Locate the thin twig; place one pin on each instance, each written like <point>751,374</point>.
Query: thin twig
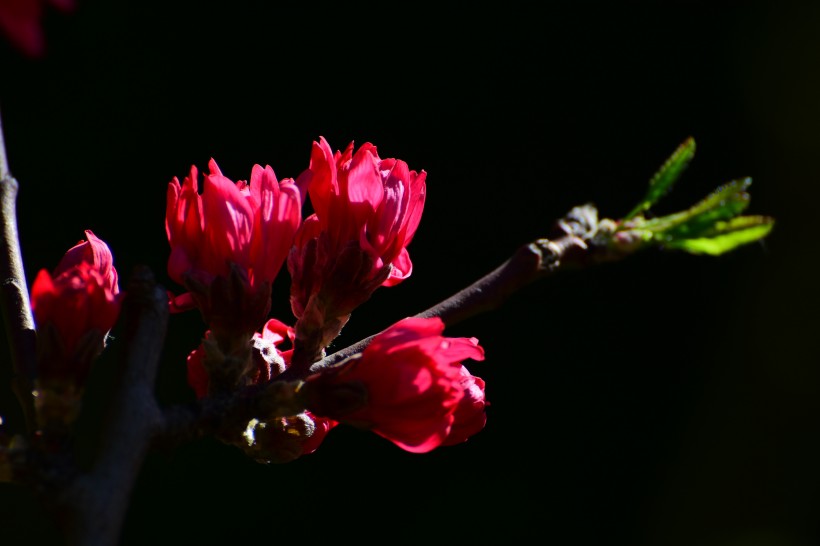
<point>530,263</point>
<point>14,300</point>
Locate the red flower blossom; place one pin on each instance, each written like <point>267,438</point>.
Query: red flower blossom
<point>419,395</point>
<point>21,22</point>
<point>366,211</point>
<point>247,224</point>
<point>237,232</point>
<point>75,308</point>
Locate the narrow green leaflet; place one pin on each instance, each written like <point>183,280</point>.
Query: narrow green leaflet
<point>666,176</point>
<point>726,236</point>
<point>724,203</point>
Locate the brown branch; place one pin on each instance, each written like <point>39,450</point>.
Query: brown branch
<point>574,247</point>
<point>14,300</point>
<point>95,503</point>
<point>530,263</point>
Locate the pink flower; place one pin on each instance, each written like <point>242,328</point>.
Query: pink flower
<point>75,308</point>
<point>21,22</point>
<point>366,211</point>
<point>231,233</point>
<point>418,393</point>
<point>247,224</point>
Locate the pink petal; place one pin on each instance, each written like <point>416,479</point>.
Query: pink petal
<point>229,223</point>
<point>365,189</point>
<point>415,205</point>
<point>402,268</point>
<point>319,180</point>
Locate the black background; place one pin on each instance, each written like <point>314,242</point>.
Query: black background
<point>667,399</point>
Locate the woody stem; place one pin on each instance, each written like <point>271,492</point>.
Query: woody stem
<point>573,247</point>
<point>14,300</point>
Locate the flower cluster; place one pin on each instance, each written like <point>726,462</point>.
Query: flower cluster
<point>409,385</point>
<point>228,244</point>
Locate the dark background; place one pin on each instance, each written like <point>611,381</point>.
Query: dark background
<point>665,400</point>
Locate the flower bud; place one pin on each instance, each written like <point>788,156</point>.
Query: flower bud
<point>367,210</point>
<point>228,244</point>
<point>74,309</point>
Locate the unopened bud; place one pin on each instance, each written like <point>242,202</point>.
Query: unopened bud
<point>278,440</point>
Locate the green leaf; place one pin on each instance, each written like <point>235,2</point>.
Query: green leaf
<point>726,235</point>
<point>665,177</point>
<point>724,203</point>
